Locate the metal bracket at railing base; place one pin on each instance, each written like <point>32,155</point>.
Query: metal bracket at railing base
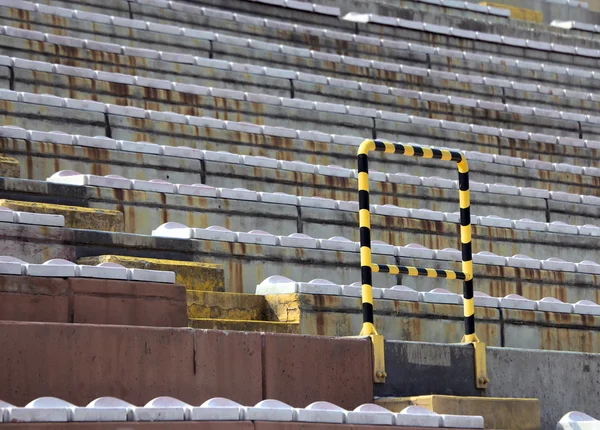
<point>378,348</point>
<point>379,374</point>
<point>481,378</point>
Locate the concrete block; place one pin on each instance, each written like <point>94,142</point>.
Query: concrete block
<point>42,99</point>
<point>259,161</point>
<point>278,131</point>
<point>200,190</point>
<point>257,237</point>
<point>333,170</point>
<point>503,189</point>
<point>534,192</point>
<point>370,414</point>
<point>550,304</point>
<point>298,240</point>
<point>379,247</point>
<point>182,152</point>
<point>454,217</point>
<point>494,221</point>
<point>338,243</point>
<point>269,410</point>
<point>528,224</point>
<point>586,307</point>
<point>417,416</point>
<point>347,206</point>
<point>11,266</point>
<point>321,412</point>
<point>403,178</point>
<point>215,233</point>
<point>427,214</point>
<point>521,260</point>
<point>462,421</point>
<point>317,202</point>
<point>589,230</point>
<point>437,182</point>
<point>485,257</point>
<point>24,34</point>
<point>217,409</point>
<point>485,300</point>
<point>87,105</point>
<point>278,198</point>
<point>15,132</point>
<point>146,275</point>
<point>126,111</point>
<point>43,409</point>
<point>39,219</point>
<point>561,227</point>
<point>450,254</point>
<point>565,197</point>
<point>282,285</point>
<point>401,292</point>
<point>55,268</point>
<point>7,215</point>
<point>297,166</point>
<point>154,185</point>
<point>588,267</point>
<point>391,210</point>
<point>103,409</point>
<point>315,136</point>
<point>577,421</point>
<point>95,142</point>
<point>590,200</point>
<point>102,271</point>
<point>414,250</point>
<point>51,137</point>
<point>173,230</point>
<point>237,194</point>
<point>539,165</point>
<point>515,301</point>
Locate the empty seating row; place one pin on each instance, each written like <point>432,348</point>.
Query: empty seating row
<point>246,261</point>
<point>344,86</point>
<point>337,243</point>
<point>282,285</point>
<point>387,123</point>
<point>19,217</point>
<point>59,268</point>
<point>229,45</point>
<point>50,409</point>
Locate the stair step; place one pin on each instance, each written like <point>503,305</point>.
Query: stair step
<point>244,325</point>
<point>226,306</point>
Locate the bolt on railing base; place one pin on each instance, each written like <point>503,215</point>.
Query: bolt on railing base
<point>481,378</point>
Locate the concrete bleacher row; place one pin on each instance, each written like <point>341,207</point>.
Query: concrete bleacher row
<point>282,285</point>
<point>226,45</point>
<point>60,268</point>
<point>577,420</point>
<point>19,217</point>
<point>50,409</point>
<point>363,90</point>
<point>338,243</point>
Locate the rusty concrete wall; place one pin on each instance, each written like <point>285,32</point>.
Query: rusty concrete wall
<point>441,323</point>
<point>92,301</point>
<point>79,363</point>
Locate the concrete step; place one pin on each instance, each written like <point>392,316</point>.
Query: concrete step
<point>193,275</point>
<point>244,325</point>
<point>498,413</point>
<point>227,306</point>
<point>75,216</point>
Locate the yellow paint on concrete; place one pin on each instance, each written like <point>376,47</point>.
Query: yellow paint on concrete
<point>192,274</point>
<point>75,216</point>
<point>283,307</point>
<point>498,413</point>
<point>243,325</point>
<point>520,13</point>
<point>230,306</point>
<point>9,167</point>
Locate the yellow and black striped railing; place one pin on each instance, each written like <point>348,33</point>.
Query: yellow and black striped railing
<point>367,267</point>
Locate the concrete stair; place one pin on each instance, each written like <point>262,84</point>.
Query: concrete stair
<point>235,311</point>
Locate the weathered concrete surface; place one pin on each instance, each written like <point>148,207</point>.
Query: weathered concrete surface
<point>562,381</point>
<point>193,275</point>
<point>234,306</point>
<point>75,216</point>
<point>9,167</point>
<point>498,413</point>
<point>246,265</point>
<point>137,364</point>
<point>197,425</point>
<point>92,301</point>
<point>245,325</point>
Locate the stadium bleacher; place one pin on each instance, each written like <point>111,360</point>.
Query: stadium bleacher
<point>177,172</point>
